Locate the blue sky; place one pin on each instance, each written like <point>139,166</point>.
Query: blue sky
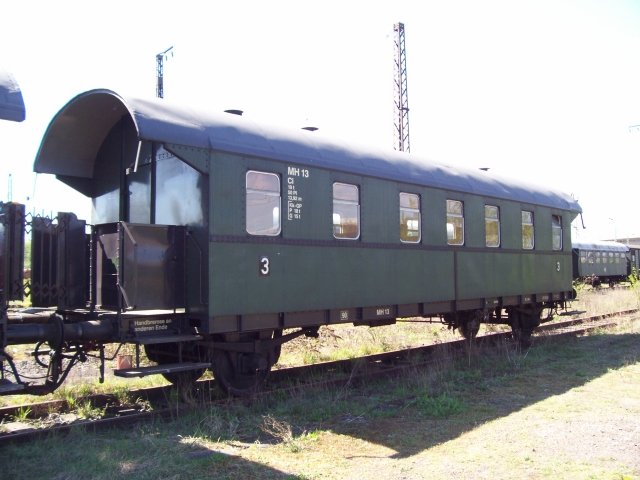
<point>540,89</point>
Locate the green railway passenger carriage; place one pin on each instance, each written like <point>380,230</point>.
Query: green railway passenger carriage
<point>601,261</point>
<point>214,240</point>
<point>634,260</point>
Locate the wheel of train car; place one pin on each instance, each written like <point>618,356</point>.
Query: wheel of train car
<point>239,374</point>
<point>469,323</point>
<point>274,353</point>
<point>242,374</point>
<point>166,353</point>
<point>523,323</point>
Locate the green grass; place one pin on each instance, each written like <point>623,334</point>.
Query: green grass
<point>440,406</point>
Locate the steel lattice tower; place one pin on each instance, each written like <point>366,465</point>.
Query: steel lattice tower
<point>160,58</point>
<point>401,99</point>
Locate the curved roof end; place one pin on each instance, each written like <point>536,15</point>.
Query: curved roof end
<point>70,144</point>
<point>11,102</point>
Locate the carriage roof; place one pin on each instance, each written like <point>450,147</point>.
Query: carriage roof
<point>74,136</point>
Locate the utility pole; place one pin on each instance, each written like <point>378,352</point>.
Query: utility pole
<point>401,99</point>
<point>160,58</point>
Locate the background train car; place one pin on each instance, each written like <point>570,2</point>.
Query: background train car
<point>11,101</point>
<point>12,109</point>
<point>599,262</point>
<point>634,260</point>
<point>214,240</point>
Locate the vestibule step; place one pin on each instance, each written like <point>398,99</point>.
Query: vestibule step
<point>150,340</point>
<point>156,369</point>
<point>7,386</point>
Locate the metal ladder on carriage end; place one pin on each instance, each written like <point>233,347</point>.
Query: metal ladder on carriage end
<point>167,367</point>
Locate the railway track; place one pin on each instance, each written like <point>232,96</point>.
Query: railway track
<point>28,422</point>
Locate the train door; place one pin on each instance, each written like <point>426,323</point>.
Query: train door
<point>139,182</point>
<point>115,174</point>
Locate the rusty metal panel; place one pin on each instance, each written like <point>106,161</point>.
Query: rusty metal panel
<point>12,225</point>
<point>57,274</point>
<point>153,266</point>
<point>140,266</point>
<point>44,259</point>
<point>73,262</point>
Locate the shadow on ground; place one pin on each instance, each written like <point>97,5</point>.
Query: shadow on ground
<point>549,368</point>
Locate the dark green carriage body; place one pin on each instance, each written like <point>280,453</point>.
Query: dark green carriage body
<point>312,277</point>
<point>317,278</point>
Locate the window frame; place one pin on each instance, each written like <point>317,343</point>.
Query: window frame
<point>410,210</point>
<point>266,193</point>
<point>345,202</point>
<point>487,221</point>
<point>452,216</point>
<point>528,225</point>
<point>556,232</point>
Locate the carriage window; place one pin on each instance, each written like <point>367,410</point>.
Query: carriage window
<point>455,222</point>
<point>492,226</point>
<point>556,232</point>
<point>179,194</point>
<point>346,211</point>
<point>410,230</point>
<point>263,203</point>
<point>528,240</point>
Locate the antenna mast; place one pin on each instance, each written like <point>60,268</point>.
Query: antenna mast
<point>401,99</point>
<point>160,58</point>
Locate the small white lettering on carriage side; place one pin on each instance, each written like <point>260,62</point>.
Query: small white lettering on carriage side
<point>383,311</point>
<point>150,325</point>
<point>294,199</point>
<point>297,172</point>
